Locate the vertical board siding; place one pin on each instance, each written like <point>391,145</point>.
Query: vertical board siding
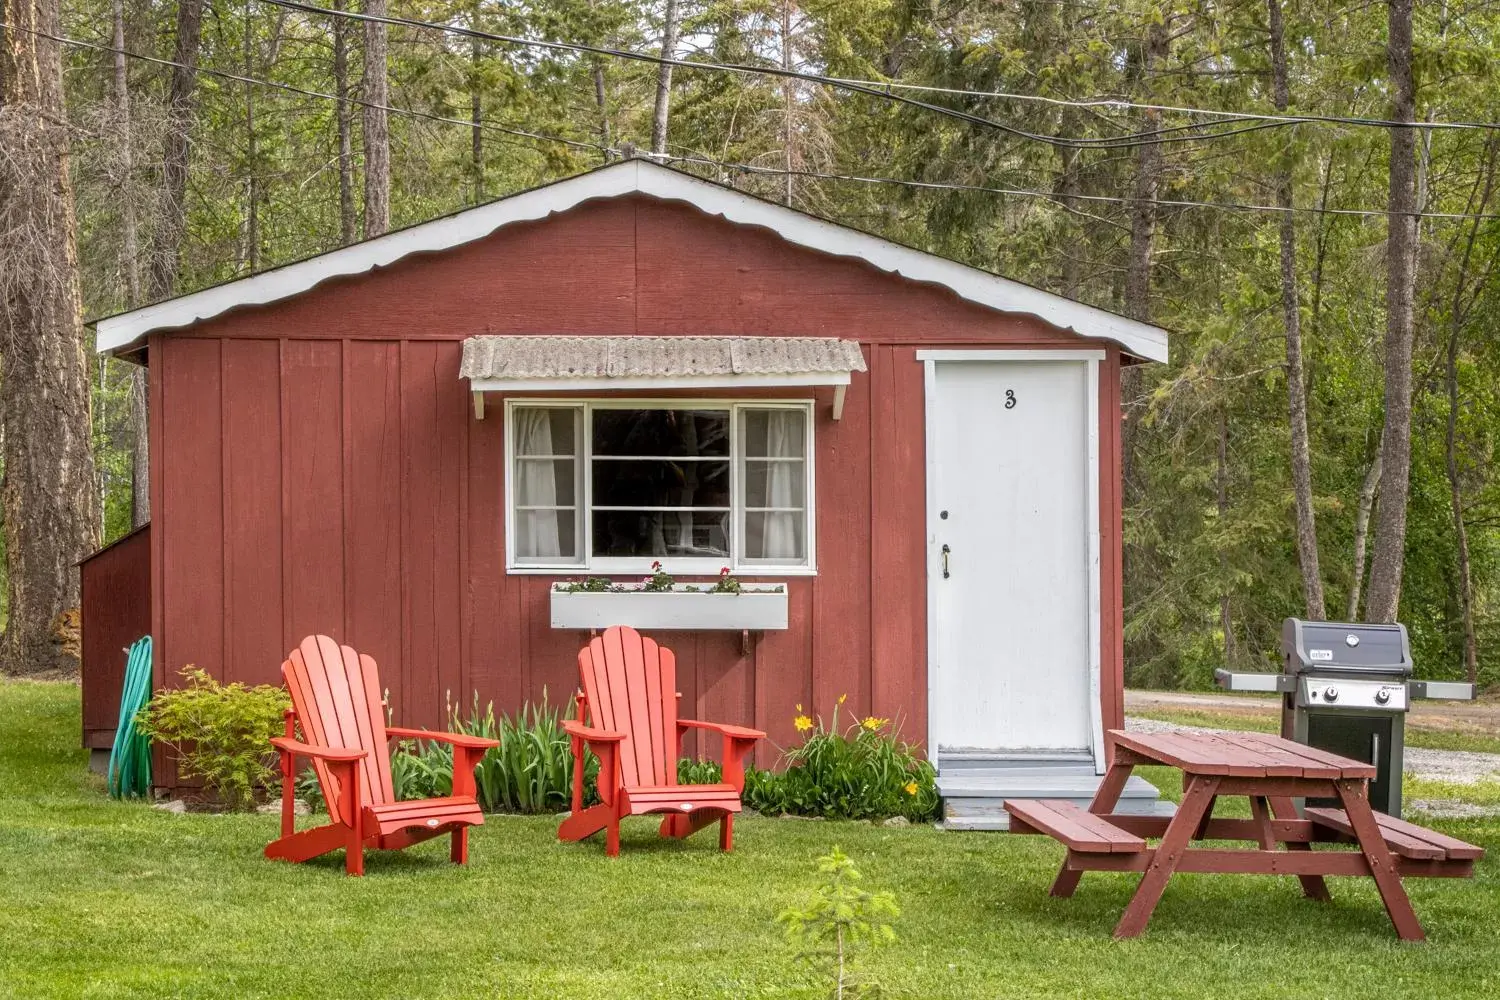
<point>898,554</point>
<point>372,549</point>
<point>319,470</point>
<point>192,507</point>
<point>312,399</point>
<point>115,603</point>
<point>253,586</point>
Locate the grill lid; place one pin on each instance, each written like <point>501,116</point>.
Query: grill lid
<point>1345,648</point>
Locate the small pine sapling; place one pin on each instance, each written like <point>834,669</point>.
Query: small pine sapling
<point>837,922</point>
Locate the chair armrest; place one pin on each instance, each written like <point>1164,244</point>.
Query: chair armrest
<point>457,739</point>
<point>298,748</point>
<point>732,732</point>
<point>579,730</point>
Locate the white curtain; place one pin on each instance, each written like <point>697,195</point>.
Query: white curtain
<point>783,440</point>
<point>535,485</point>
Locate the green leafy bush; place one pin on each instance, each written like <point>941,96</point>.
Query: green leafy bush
<point>863,771</point>
<point>220,733</point>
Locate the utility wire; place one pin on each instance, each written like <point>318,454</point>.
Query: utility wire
<point>1112,102</point>
<point>886,88</point>
<point>1150,138</point>
<point>254,81</point>
<point>746,168</point>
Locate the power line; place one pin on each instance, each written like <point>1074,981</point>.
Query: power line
<point>289,88</point>
<point>1051,196</point>
<point>1154,137</point>
<point>1113,102</point>
<point>1063,200</point>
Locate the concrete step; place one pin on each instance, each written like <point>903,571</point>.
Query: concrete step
<point>973,799</point>
<point>988,760</point>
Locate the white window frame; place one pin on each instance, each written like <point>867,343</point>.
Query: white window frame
<point>586,562</point>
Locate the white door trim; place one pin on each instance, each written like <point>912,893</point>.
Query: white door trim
<point>1091,358</point>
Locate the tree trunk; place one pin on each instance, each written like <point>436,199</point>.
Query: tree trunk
<point>788,101</point>
<point>1390,520</point>
<point>1450,454</point>
<point>1142,214</point>
<point>664,79</point>
<point>47,501</point>
<point>171,217</point>
<point>476,118</point>
<point>376,126</point>
<point>1302,489</point>
<point>252,186</point>
<point>601,100</point>
<point>1221,483</point>
<point>1367,493</point>
<point>347,220</point>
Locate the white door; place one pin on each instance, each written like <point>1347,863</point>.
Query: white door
<point>1013,531</point>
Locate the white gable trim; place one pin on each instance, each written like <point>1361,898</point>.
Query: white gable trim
<point>631,177</point>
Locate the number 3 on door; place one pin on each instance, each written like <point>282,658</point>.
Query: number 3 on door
<point>1010,399</point>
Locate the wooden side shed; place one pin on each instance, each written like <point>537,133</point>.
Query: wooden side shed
<point>406,443</point>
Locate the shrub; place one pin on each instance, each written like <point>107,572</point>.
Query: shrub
<point>220,733</point>
<point>865,771</point>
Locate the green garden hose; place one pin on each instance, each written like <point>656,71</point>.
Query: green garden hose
<point>130,758</point>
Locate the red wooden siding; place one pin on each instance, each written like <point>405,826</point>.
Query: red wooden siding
<point>318,469</point>
<point>116,611</point>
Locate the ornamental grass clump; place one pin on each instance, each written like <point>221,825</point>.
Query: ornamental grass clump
<point>220,733</point>
<point>530,772</point>
<point>864,770</point>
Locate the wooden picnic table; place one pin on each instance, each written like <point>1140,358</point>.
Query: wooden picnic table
<point>1270,772</point>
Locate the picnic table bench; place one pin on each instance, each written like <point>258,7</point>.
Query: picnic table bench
<point>1270,772</point>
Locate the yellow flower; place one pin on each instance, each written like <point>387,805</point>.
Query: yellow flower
<point>911,788</point>
<point>872,724</point>
<point>843,698</point>
<point>799,708</point>
<point>803,723</point>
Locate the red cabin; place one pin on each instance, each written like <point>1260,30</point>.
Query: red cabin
<point>421,445</point>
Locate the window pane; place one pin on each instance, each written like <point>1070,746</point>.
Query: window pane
<point>545,430</point>
<point>664,433</point>
<point>644,483</point>
<point>774,484</point>
<point>546,536</point>
<point>534,487</point>
<point>775,537</point>
<point>780,433</point>
<point>544,490</point>
<point>659,534</point>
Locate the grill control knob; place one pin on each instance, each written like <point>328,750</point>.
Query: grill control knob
<point>1330,693</point>
<point>1382,696</point>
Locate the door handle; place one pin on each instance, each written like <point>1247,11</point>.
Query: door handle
<point>946,551</point>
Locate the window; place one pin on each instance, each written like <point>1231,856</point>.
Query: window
<point>615,486</point>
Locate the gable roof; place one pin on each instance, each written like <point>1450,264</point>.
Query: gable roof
<point>123,331</point>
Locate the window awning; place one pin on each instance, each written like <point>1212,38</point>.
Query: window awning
<point>583,364</point>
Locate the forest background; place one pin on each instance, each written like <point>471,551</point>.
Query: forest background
<point>1301,192</point>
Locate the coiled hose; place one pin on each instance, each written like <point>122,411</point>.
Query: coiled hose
<point>130,758</point>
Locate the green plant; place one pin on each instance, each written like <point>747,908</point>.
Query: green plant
<point>659,580</point>
<point>838,919</point>
<point>865,771</point>
<point>726,584</point>
<point>589,585</point>
<point>220,733</point>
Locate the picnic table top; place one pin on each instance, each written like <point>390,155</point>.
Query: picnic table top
<point>1240,755</point>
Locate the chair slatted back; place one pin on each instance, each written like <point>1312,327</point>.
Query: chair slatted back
<point>631,686</point>
<point>336,695</point>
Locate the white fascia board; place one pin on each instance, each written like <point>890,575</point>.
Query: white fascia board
<point>644,177</point>
<point>656,382</point>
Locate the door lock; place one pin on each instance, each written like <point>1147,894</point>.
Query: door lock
<point>946,550</point>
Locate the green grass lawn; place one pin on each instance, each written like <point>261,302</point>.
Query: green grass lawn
<point>1264,716</point>
<point>104,899</point>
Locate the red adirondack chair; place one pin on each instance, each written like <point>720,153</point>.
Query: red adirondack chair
<point>336,700</point>
<point>627,714</point>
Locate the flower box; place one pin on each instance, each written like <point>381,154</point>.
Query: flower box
<point>757,607</point>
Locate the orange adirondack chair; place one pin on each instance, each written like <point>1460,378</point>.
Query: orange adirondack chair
<point>336,699</point>
<point>630,696</point>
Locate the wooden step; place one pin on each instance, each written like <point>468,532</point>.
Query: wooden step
<point>1075,826</point>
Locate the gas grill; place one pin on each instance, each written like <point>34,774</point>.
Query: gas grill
<point>1346,688</point>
